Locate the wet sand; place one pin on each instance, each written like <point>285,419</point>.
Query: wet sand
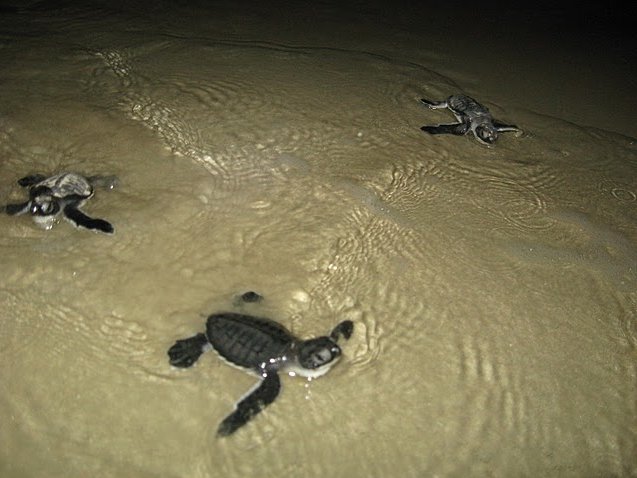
<point>279,150</point>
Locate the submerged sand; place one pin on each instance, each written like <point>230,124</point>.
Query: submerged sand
<point>493,290</point>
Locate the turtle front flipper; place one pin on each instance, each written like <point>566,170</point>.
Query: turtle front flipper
<point>503,128</point>
<point>343,329</point>
<point>17,209</point>
<point>434,105</point>
<point>31,179</point>
<point>186,352</point>
<point>77,217</point>
<point>252,404</point>
<point>459,129</point>
<point>106,182</point>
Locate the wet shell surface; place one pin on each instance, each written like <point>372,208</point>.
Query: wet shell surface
<point>247,341</point>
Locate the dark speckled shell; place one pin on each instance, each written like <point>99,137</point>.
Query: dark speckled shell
<point>465,105</point>
<point>247,341</point>
<point>67,184</point>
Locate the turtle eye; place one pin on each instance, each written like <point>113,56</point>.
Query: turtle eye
<point>44,207</point>
<point>322,356</point>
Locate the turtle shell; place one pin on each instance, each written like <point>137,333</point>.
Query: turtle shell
<point>466,105</point>
<point>247,341</point>
<point>67,184</point>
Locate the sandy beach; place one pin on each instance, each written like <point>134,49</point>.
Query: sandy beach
<point>277,148</point>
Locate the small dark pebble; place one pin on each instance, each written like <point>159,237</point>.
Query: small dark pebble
<point>251,296</point>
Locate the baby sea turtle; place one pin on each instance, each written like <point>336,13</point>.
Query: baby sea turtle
<point>472,116</point>
<point>263,347</point>
<point>62,193</point>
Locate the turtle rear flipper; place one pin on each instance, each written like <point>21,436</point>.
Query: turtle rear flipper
<point>31,179</point>
<point>17,209</point>
<point>186,352</point>
<point>77,217</point>
<point>252,404</point>
<point>458,129</point>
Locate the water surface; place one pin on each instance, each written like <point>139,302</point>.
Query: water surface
<point>492,289</point>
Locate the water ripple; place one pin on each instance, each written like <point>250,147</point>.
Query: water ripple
<point>621,191</point>
<point>522,208</point>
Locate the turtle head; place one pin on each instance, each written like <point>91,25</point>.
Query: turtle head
<point>316,356</point>
<point>486,133</point>
<point>43,203</point>
<point>317,353</point>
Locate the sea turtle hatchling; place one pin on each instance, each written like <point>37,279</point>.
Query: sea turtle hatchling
<point>262,347</point>
<point>62,193</point>
<point>472,116</point>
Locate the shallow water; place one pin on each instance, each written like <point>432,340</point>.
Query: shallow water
<point>492,289</point>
